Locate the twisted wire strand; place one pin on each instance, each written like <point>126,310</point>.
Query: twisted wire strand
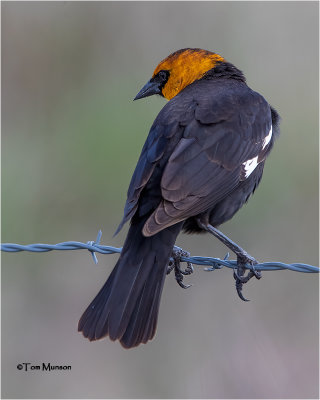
<point>210,262</point>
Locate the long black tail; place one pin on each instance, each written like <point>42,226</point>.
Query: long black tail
<point>126,308</point>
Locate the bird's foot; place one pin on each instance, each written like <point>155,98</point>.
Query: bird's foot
<point>243,259</point>
<point>174,264</point>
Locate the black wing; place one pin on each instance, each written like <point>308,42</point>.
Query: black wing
<point>227,132</point>
<point>196,149</point>
<point>162,138</point>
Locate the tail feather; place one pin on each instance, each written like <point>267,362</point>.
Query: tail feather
<point>144,317</point>
<point>90,317</point>
<point>126,307</point>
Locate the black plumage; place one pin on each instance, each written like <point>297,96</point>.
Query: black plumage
<point>194,164</point>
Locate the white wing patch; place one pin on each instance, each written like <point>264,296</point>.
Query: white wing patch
<point>267,139</point>
<point>249,166</point>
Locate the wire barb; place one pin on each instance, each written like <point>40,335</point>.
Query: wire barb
<point>92,243</point>
<point>209,263</point>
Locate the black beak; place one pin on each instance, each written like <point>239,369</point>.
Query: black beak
<point>148,89</point>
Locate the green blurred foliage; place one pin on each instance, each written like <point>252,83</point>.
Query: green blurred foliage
<point>71,136</point>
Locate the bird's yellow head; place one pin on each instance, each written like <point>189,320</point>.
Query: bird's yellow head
<point>179,70</point>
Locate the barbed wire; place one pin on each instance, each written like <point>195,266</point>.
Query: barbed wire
<point>210,262</point>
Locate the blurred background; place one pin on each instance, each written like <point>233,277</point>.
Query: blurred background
<point>71,137</point>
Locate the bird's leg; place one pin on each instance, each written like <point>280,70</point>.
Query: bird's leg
<point>243,258</point>
<point>174,263</point>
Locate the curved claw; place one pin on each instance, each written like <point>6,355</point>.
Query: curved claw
<point>240,280</point>
<point>239,291</point>
<point>183,286</point>
<point>179,279</point>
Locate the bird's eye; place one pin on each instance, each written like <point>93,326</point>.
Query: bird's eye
<point>163,75</point>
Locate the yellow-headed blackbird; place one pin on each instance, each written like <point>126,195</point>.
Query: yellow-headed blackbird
<point>201,162</point>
